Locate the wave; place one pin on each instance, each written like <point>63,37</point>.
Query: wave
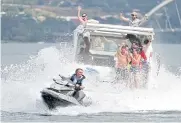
<point>21,85</point>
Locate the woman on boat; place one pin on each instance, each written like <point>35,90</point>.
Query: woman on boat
<point>122,61</point>
<point>135,67</point>
<point>147,50</point>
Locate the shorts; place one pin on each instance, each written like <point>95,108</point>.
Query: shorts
<point>135,69</point>
<point>123,73</point>
<point>145,67</point>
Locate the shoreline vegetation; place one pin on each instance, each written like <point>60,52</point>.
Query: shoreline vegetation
<point>54,20</point>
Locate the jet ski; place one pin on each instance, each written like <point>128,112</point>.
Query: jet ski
<point>63,93</point>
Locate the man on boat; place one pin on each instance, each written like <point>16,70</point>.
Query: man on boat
<point>133,45</point>
<point>134,22</point>
<point>86,35</point>
<point>83,19</point>
<point>77,79</point>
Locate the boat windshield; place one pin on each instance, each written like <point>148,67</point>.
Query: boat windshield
<point>102,43</point>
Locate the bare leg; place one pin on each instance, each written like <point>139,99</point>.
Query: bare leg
<point>131,82</point>
<point>86,40</point>
<point>136,80</point>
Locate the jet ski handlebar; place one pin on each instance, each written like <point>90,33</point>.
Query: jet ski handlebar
<point>66,79</point>
<point>63,77</point>
<point>68,84</point>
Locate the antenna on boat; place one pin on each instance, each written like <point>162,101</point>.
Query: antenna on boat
<point>158,24</point>
<point>168,18</point>
<point>178,12</point>
<point>152,11</point>
<point>168,25</point>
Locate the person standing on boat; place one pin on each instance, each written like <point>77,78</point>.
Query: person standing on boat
<point>82,19</point>
<point>134,21</point>
<point>122,61</point>
<point>147,53</point>
<point>81,29</point>
<point>135,67</point>
<point>146,64</point>
<point>147,47</point>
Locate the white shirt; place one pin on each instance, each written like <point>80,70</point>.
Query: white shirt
<point>134,23</point>
<point>148,50</point>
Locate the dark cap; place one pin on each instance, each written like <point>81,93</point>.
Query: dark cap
<point>84,15</point>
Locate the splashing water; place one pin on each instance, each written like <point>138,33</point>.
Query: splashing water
<point>21,86</point>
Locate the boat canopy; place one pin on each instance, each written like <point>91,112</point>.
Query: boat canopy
<point>117,30</point>
<point>106,38</point>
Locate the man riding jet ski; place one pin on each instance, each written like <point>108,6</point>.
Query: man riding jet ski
<point>77,79</point>
<point>65,94</point>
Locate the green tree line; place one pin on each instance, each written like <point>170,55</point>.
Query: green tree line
<point>28,29</point>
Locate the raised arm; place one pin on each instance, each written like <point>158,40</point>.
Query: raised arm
<point>123,18</point>
<point>137,61</point>
<point>78,15</point>
<point>128,58</point>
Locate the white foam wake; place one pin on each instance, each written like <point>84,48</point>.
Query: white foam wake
<point>21,86</point>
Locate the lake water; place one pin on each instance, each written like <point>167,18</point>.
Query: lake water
<point>26,68</point>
